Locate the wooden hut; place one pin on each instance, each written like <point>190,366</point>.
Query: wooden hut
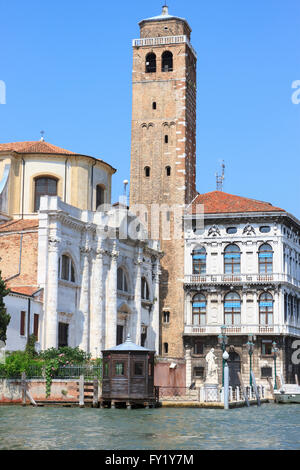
<point>128,375</point>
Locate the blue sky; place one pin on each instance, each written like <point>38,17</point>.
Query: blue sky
<point>67,68</point>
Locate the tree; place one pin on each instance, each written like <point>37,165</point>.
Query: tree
<point>4,317</point>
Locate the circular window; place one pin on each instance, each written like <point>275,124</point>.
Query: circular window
<point>265,229</point>
<point>231,230</point>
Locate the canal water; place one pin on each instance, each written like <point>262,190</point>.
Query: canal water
<point>268,427</point>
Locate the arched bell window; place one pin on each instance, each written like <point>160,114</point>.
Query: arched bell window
<point>199,261</point>
<point>232,260</point>
<point>167,62</point>
<point>199,310</point>
<point>151,63</point>
<point>266,309</point>
<point>265,259</point>
<point>43,186</point>
<point>232,309</point>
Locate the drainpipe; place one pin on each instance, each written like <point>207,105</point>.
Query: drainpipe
<point>23,185</point>
<point>65,189</point>
<point>28,318</point>
<point>92,184</point>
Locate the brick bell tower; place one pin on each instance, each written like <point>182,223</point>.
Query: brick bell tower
<point>163,150</point>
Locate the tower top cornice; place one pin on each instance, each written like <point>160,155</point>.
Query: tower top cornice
<point>164,16</point>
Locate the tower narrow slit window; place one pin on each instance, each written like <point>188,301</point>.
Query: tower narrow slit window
<point>166,139</point>
<point>100,196</point>
<point>147,171</point>
<point>168,170</point>
<point>154,105</point>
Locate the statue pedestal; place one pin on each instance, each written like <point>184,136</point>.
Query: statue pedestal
<point>211,392</point>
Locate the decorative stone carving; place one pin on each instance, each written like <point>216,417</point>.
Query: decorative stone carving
<point>214,231</point>
<point>248,230</point>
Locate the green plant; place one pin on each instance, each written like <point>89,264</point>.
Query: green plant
<point>4,316</point>
<point>64,393</point>
<point>20,361</point>
<point>50,369</point>
<point>66,355</point>
<point>30,346</point>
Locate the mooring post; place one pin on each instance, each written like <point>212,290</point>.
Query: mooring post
<point>296,379</point>
<point>81,391</point>
<point>226,386</point>
<point>95,396</point>
<point>23,387</point>
<point>255,388</point>
<point>271,386</point>
<point>243,388</point>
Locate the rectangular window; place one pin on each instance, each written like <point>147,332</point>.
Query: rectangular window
<point>120,331</point>
<point>119,368</point>
<point>266,348</point>
<point>22,323</point>
<point>36,326</point>
<point>266,372</point>
<point>198,372</point>
<point>63,334</point>
<point>198,348</point>
<point>106,369</point>
<point>139,368</point>
<point>65,267</point>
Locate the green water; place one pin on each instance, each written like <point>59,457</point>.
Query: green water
<point>268,427</point>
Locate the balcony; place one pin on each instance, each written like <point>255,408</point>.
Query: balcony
<point>197,279</point>
<point>150,42</point>
<point>242,330</point>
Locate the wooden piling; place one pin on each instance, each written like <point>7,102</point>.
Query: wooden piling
<point>271,386</point>
<point>95,395</point>
<point>81,391</point>
<point>243,388</point>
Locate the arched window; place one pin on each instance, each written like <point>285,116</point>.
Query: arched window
<point>168,170</point>
<point>44,186</point>
<point>66,269</point>
<point>199,310</point>
<point>145,294</point>
<point>167,62</point>
<point>147,171</point>
<point>100,196</point>
<point>266,309</point>
<point>122,283</point>
<point>265,258</point>
<point>232,309</point>
<point>199,261</point>
<point>150,63</point>
<point>232,260</point>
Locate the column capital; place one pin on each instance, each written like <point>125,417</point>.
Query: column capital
<point>54,244</point>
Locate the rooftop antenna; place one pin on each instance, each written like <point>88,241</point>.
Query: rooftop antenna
<point>42,136</point>
<point>220,178</point>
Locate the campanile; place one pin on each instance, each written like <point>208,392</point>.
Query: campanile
<point>163,148</point>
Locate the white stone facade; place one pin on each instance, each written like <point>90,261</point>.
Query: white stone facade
<point>82,261</point>
<point>280,280</point>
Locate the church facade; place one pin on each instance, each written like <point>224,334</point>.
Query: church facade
<point>78,276</point>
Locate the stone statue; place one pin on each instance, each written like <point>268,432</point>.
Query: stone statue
<point>212,368</point>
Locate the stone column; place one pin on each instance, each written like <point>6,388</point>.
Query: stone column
<point>156,309</point>
<point>137,296</point>
<point>111,310</point>
<point>51,337</point>
<point>98,293</point>
<point>188,366</point>
<point>84,305</point>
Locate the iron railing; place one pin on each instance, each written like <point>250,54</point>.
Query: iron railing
<point>67,372</point>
